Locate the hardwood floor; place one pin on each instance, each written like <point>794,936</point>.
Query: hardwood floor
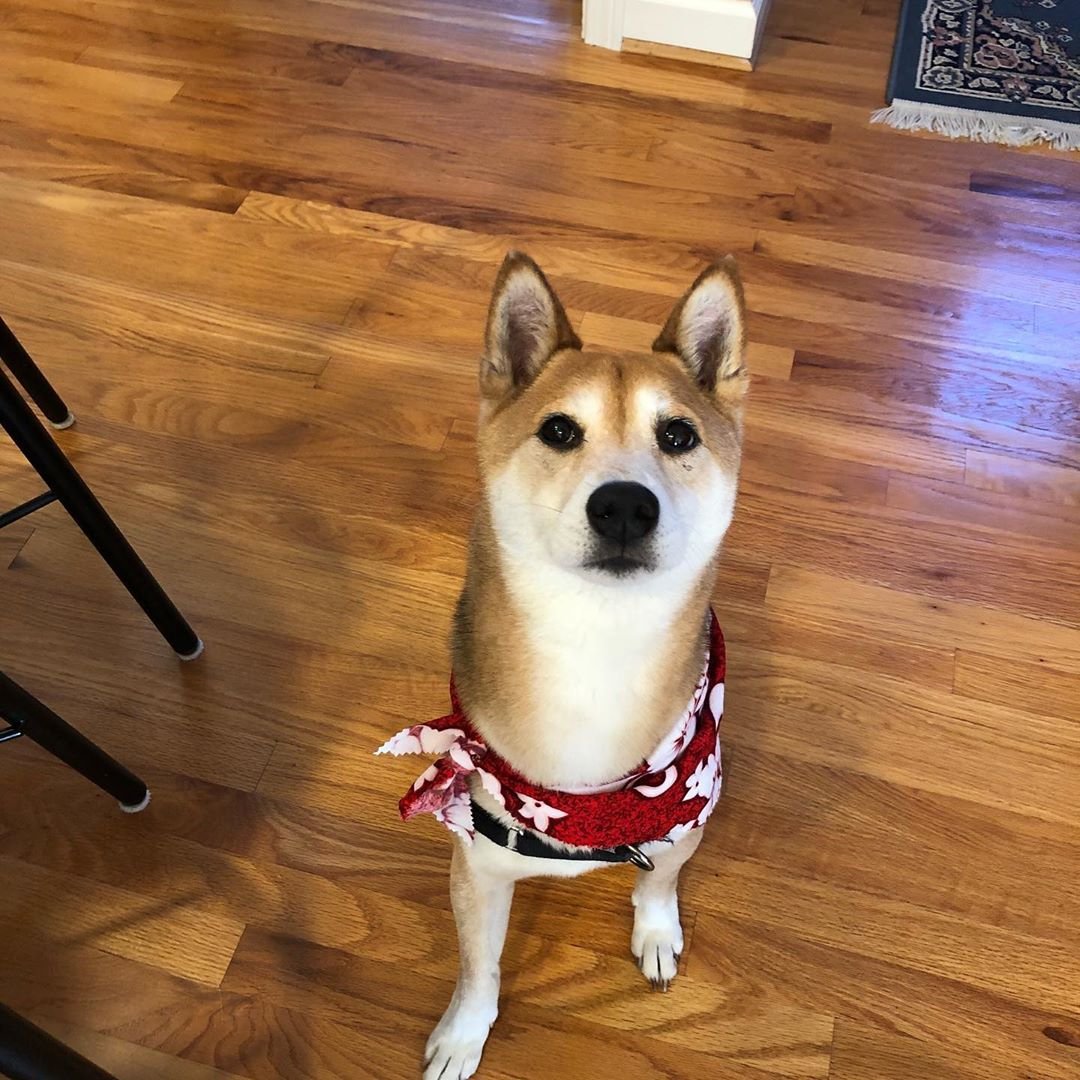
<point>252,243</point>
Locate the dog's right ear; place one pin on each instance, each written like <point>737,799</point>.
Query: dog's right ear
<point>526,327</point>
<point>707,329</point>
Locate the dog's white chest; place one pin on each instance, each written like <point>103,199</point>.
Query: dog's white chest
<point>591,689</point>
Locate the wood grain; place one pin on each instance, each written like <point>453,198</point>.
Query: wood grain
<point>862,1052</point>
<point>1036,687</point>
<point>12,541</point>
<point>1027,479</point>
<point>253,245</point>
<point>129,1061</point>
<point>178,937</point>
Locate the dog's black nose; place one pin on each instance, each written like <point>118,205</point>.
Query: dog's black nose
<point>623,511</point>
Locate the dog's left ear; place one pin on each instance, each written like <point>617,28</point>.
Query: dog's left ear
<point>707,328</point>
<point>526,327</point>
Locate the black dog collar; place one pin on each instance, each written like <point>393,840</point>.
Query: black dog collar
<point>528,843</point>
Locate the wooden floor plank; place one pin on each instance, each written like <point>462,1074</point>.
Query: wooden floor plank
<point>928,739</point>
<point>784,1042</point>
<point>1028,479</point>
<point>966,506</point>
<point>889,840</point>
<point>925,619</point>
<point>253,246</point>
<point>76,79</point>
<point>129,1061</point>
<point>760,964</point>
<point>1039,688</point>
<point>615,332</point>
<point>861,1052</point>
<point>12,540</point>
<point>1005,283</point>
<point>179,936</point>
<point>223,259</point>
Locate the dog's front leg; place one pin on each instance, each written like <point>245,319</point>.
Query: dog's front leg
<point>657,940</point>
<point>481,898</point>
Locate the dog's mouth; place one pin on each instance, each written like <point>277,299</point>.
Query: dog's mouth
<point>618,565</point>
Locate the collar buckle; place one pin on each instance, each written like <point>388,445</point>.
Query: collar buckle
<point>639,858</point>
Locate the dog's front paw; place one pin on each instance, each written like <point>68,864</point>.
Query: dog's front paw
<point>657,942</point>
<point>454,1049</point>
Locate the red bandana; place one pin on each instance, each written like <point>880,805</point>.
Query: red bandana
<point>665,797</point>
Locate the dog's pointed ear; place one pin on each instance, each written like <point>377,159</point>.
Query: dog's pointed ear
<point>526,327</point>
<point>707,327</point>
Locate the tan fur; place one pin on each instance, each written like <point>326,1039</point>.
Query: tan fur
<point>492,661</point>
<point>571,665</point>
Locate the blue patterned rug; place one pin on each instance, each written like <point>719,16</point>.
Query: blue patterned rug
<point>1003,71</point>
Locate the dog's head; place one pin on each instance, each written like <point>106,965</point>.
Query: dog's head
<point>615,468</point>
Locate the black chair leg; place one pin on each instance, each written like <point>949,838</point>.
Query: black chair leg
<point>62,479</point>
<point>37,722</point>
<point>33,380</point>
<point>28,1053</point>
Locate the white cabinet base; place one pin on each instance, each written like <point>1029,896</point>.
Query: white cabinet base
<point>727,30</point>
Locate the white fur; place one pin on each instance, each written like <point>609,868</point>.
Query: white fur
<point>594,665</point>
<point>482,909</point>
<point>456,1045</point>
<point>657,940</point>
<point>539,527</point>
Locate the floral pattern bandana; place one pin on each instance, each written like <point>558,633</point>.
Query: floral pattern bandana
<point>666,796</point>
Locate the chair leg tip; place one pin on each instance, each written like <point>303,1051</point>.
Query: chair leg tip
<point>194,654</point>
<point>60,425</point>
<point>135,808</point>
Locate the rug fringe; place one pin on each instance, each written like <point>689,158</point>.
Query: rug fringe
<point>981,126</point>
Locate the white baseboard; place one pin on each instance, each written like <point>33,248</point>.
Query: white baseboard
<point>602,23</point>
<point>726,27</point>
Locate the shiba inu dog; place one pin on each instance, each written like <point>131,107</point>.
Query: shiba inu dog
<point>588,668</point>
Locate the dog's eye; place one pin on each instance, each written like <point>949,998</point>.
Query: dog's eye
<point>560,432</point>
<point>677,437</point>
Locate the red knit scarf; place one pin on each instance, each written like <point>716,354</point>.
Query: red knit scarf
<point>665,797</point>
